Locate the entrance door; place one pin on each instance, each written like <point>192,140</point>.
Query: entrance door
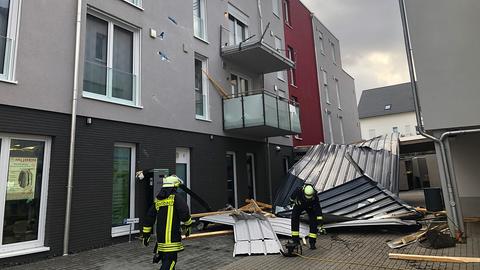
<point>182,170</point>
<point>252,194</point>
<point>231,179</point>
<point>123,187</point>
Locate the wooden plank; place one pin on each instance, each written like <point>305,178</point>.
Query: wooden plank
<point>216,85</point>
<point>206,214</point>
<point>262,205</point>
<point>413,257</point>
<point>207,234</point>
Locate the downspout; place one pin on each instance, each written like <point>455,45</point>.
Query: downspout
<point>269,171</point>
<point>259,4</point>
<point>450,192</point>
<point>73,130</point>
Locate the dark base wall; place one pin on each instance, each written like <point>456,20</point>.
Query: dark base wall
<point>155,148</point>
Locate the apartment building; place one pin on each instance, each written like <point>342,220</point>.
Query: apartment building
<point>197,95</point>
<point>336,87</point>
<point>388,109</point>
<point>445,53</point>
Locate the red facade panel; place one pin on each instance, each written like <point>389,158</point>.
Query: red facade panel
<point>299,38</point>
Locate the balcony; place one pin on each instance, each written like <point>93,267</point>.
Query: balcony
<point>254,55</point>
<point>260,114</point>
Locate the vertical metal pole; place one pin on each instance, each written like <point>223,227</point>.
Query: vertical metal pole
<point>130,233</point>
<point>269,172</point>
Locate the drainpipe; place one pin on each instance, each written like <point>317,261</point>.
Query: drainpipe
<point>450,191</point>
<point>259,4</point>
<point>269,170</point>
<point>73,128</point>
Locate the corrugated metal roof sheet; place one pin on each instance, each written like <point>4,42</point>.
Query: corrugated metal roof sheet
<point>254,235</point>
<point>325,166</point>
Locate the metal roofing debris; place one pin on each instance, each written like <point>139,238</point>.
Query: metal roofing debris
<point>254,235</point>
<point>325,166</point>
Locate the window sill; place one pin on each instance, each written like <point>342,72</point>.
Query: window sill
<point>201,118</point>
<point>202,40</point>
<point>8,81</point>
<point>23,252</point>
<point>133,5</point>
<point>94,97</point>
<point>123,233</point>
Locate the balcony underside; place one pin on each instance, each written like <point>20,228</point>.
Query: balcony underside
<point>262,131</point>
<point>257,57</point>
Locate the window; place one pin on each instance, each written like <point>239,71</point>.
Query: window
<point>182,170</point>
<point>322,45</point>
<point>279,48</point>
<point>137,3</point>
<point>330,127</point>
<point>111,70</point>
<point>199,19</point>
<point>286,164</point>
<point>252,194</point>
<point>395,129</point>
<point>201,88</point>
<point>293,71</point>
<point>238,84</point>
<point>286,12</point>
<point>123,187</point>
<point>388,107</point>
<point>238,30</point>
<point>9,18</point>
<point>337,89</point>
<point>334,57</point>
<point>408,130</point>
<point>24,170</point>
<point>342,134</point>
<point>275,8</point>
<point>371,133</point>
<point>325,86</point>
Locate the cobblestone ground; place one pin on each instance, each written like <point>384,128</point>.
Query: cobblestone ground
<point>335,251</point>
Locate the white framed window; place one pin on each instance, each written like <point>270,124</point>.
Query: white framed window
<point>112,60</point>
<point>388,107</point>
<point>279,48</point>
<point>238,30</point>
<point>276,8</point>
<point>182,170</point>
<point>337,90</point>
<point>334,55</point>
<point>137,3</point>
<point>286,12</point>
<point>239,84</point>
<point>123,187</point>
<point>200,19</point>
<point>231,169</point>
<point>325,86</point>
<point>342,134</point>
<point>9,21</point>
<point>202,110</point>
<point>293,71</point>
<point>24,176</point>
<point>322,44</point>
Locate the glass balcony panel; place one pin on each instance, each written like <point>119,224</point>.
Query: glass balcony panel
<point>199,27</point>
<point>253,108</point>
<point>295,118</point>
<point>233,113</point>
<point>95,78</point>
<point>271,116</point>
<point>123,84</point>
<point>283,114</point>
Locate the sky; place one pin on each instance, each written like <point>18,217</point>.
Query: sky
<point>371,39</point>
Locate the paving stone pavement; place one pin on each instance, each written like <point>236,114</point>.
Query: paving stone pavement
<point>345,250</point>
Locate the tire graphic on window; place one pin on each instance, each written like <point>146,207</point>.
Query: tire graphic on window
<point>25,178</point>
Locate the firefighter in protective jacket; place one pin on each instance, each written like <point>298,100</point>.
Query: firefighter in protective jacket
<point>173,218</point>
<point>305,198</point>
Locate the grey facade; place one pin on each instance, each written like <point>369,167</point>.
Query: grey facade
<point>160,115</point>
<point>444,40</point>
<point>339,107</point>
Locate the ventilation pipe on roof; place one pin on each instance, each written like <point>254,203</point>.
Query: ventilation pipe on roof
<point>66,235</point>
<point>450,192</point>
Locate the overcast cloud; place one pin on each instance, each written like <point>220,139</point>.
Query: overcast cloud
<point>371,39</point>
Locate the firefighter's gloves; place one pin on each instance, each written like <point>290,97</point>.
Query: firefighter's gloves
<point>294,202</point>
<point>147,232</point>
<point>322,230</point>
<point>186,230</point>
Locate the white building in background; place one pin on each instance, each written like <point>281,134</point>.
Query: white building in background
<point>387,109</point>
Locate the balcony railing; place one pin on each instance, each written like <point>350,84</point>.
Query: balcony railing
<point>261,113</point>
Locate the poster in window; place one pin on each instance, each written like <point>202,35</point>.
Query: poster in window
<point>22,173</point>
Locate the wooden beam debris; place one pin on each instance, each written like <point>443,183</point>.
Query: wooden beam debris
<point>413,257</point>
<point>208,234</point>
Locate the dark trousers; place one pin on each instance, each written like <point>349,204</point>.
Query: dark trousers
<point>169,260</point>
<point>297,212</point>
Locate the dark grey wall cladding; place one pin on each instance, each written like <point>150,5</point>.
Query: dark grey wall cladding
<point>91,205</point>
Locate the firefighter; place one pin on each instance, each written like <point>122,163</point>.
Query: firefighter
<point>173,219</point>
<point>305,198</point>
